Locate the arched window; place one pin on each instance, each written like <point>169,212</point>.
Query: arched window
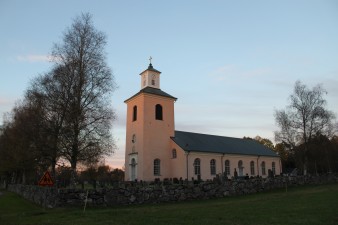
<point>174,153</point>
<point>240,168</point>
<point>252,168</point>
<point>227,167</point>
<point>158,112</point>
<point>157,167</point>
<point>197,166</point>
<point>263,168</point>
<point>213,167</point>
<point>153,80</point>
<point>273,168</point>
<point>135,113</point>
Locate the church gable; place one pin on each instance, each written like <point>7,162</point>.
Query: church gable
<point>195,142</point>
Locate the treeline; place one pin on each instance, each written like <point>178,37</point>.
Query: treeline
<point>307,130</point>
<point>96,176</point>
<point>66,113</point>
<point>307,136</point>
<point>321,154</point>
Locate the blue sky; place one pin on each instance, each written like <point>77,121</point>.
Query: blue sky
<point>229,63</point>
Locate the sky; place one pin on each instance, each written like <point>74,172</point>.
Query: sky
<point>231,64</point>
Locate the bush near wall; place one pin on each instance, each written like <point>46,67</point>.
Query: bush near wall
<point>142,193</point>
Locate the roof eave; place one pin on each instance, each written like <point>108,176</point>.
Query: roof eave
<point>144,92</point>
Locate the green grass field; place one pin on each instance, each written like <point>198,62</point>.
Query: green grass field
<point>302,205</point>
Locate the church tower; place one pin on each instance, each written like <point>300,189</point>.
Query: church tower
<point>150,125</point>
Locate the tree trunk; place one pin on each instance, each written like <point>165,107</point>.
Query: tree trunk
<point>305,159</point>
<point>305,167</point>
<point>13,178</point>
<point>53,168</point>
<point>73,172</point>
<point>54,172</point>
<point>24,177</point>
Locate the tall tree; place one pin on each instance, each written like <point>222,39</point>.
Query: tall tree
<point>334,156</point>
<point>305,116</point>
<point>320,155</point>
<point>53,90</point>
<point>21,142</point>
<point>86,131</point>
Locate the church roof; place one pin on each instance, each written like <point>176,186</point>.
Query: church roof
<point>151,68</point>
<point>153,91</point>
<point>196,142</point>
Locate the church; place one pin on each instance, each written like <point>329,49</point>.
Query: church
<point>154,149</point>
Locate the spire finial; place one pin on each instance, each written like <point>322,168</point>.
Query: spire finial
<point>150,65</point>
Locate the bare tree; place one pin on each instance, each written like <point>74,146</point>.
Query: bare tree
<point>88,118</point>
<point>305,117</point>
<point>21,141</point>
<point>67,112</point>
<point>53,91</point>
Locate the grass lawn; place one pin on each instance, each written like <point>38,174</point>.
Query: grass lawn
<point>302,205</point>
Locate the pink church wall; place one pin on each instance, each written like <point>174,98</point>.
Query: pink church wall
<point>134,127</point>
<point>157,135</point>
<point>153,136</point>
<point>179,167</point>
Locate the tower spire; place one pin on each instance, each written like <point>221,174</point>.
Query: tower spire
<point>150,65</point>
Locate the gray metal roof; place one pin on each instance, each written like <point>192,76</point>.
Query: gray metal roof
<point>151,68</point>
<point>153,91</point>
<point>195,142</point>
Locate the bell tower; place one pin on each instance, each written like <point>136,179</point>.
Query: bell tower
<point>150,125</point>
<point>150,77</point>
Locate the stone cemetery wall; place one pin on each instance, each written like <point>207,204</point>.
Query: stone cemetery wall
<point>43,196</point>
<point>141,193</point>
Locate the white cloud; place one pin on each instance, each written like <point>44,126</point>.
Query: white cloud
<point>5,101</point>
<point>222,72</point>
<point>233,71</point>
<point>35,58</point>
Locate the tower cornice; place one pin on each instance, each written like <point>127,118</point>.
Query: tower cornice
<point>152,91</point>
